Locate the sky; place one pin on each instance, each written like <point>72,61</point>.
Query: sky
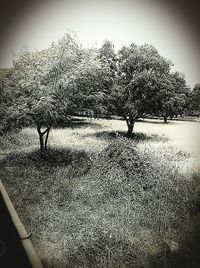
<point>122,22</point>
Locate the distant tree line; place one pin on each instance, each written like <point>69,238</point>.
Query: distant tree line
<point>45,88</point>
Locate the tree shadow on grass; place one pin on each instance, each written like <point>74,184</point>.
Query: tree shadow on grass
<point>136,136</point>
<point>52,158</point>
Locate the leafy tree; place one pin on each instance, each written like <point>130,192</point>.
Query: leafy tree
<point>139,68</point>
<point>194,103</point>
<point>57,82</point>
<point>36,75</point>
<point>171,96</point>
<point>43,114</point>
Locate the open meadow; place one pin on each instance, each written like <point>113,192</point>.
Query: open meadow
<point>100,199</point>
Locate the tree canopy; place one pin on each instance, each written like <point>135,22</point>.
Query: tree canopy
<point>194,104</point>
<point>143,75</point>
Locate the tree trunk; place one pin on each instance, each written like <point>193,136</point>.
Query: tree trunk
<point>46,139</point>
<point>130,124</point>
<point>41,138</point>
<point>43,144</point>
<point>165,119</point>
<point>130,129</point>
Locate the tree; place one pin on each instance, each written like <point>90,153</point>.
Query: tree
<point>133,94</point>
<point>57,82</point>
<point>43,113</point>
<point>171,96</point>
<point>195,100</point>
<point>36,75</point>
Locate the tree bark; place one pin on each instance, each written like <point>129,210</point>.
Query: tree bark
<point>41,142</point>
<point>46,139</point>
<point>40,138</point>
<point>130,124</point>
<point>130,129</point>
<point>165,119</point>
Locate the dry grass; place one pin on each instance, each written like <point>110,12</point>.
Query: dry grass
<point>101,200</point>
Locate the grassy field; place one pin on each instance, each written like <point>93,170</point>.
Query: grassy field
<point>99,199</point>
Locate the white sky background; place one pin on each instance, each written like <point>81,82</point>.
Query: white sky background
<point>122,22</point>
